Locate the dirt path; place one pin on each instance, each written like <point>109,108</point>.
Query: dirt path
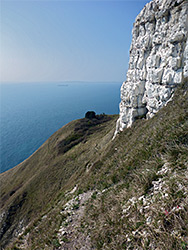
<point>72,234</point>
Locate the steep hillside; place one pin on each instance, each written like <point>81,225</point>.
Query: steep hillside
<point>30,188</point>
<point>81,190</point>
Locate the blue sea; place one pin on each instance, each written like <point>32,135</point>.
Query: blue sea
<point>31,112</point>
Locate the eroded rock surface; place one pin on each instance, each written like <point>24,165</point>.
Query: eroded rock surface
<point>158,60</point>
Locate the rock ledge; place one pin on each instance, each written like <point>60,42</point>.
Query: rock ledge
<point>158,60</point>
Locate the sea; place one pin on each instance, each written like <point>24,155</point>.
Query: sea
<point>31,112</point>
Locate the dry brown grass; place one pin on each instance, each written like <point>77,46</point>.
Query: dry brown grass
<point>139,182</point>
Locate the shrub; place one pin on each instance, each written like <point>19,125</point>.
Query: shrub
<point>90,115</point>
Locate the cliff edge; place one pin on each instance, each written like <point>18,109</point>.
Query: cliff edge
<point>158,60</point>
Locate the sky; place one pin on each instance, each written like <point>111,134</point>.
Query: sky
<point>65,40</point>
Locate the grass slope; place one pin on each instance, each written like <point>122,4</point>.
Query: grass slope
<point>29,189</point>
<point>138,185</point>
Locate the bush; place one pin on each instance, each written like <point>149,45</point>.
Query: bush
<point>90,115</point>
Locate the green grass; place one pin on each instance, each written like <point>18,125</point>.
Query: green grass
<point>82,153</point>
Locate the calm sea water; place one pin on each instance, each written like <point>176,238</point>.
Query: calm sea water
<point>30,113</point>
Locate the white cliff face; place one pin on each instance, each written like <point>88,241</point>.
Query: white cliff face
<point>158,60</point>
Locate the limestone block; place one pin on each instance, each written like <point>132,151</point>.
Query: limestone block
<point>177,37</point>
<point>150,28</point>
<point>168,76</point>
<point>158,59</point>
<point>164,93</point>
<point>185,70</point>
<point>175,50</point>
<point>141,30</point>
<point>149,77</point>
<point>186,51</point>
<point>139,101</point>
<point>157,75</point>
<point>151,103</point>
<point>131,62</point>
<point>157,39</point>
<point>141,62</point>
<point>151,61</point>
<point>141,87</point>
<point>174,62</point>
<point>143,75</point>
<point>178,77</point>
<point>149,90</point>
<point>134,102</point>
<point>135,32</point>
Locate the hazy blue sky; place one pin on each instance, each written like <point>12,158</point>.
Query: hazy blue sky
<point>66,40</point>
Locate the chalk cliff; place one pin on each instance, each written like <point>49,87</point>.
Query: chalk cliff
<point>158,60</point>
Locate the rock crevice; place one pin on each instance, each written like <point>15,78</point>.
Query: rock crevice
<point>158,60</point>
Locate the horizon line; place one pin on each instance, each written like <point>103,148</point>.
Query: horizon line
<point>60,82</point>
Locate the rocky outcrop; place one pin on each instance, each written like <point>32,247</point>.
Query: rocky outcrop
<point>158,60</point>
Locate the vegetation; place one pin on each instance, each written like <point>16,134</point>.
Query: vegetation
<point>83,128</point>
<point>138,185</point>
<point>90,115</point>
